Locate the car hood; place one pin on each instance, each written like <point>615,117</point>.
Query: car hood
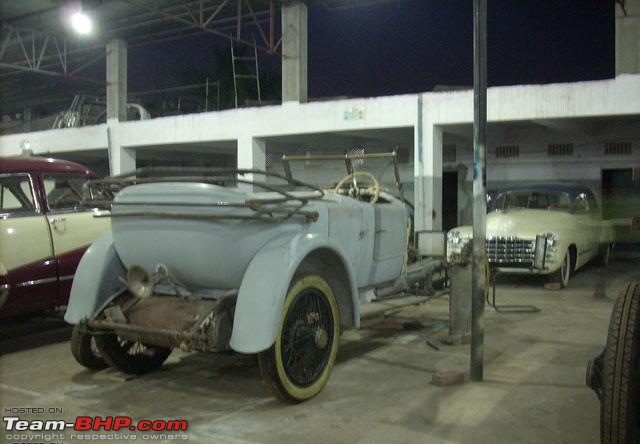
<point>522,223</point>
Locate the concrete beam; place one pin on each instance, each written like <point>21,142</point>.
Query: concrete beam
<point>628,37</point>
<point>294,52</point>
<point>117,80</point>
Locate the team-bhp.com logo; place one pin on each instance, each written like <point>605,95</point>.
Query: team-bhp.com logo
<point>86,423</point>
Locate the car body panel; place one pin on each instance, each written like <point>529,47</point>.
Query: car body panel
<point>264,287</point>
<point>97,277</point>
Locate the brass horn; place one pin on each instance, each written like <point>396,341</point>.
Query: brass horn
<point>139,282</point>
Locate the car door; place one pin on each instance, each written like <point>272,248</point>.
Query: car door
<point>73,227</point>
<point>390,239</point>
<point>28,273</point>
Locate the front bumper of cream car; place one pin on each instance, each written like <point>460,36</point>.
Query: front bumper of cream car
<point>508,254</point>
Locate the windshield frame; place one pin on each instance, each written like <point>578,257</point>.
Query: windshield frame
<point>348,161</point>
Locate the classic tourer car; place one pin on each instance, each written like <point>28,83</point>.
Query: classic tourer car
<point>567,215</point>
<point>217,260</point>
<point>43,232</point>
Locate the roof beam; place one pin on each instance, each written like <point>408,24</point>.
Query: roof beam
<point>215,13</point>
<point>194,25</point>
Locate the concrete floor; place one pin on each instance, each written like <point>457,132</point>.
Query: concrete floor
<point>380,390</point>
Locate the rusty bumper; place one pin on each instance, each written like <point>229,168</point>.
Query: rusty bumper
<point>169,321</point>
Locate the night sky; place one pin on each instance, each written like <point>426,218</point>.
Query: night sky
<point>413,45</point>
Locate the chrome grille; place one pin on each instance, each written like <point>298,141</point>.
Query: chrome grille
<point>510,251</point>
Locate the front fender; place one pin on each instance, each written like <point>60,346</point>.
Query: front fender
<point>95,280</point>
<point>264,287</point>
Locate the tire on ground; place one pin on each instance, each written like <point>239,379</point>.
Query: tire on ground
<point>271,361</point>
<point>619,422</point>
<point>117,353</point>
<point>83,351</point>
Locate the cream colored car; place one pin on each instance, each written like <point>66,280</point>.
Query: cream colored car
<point>568,216</point>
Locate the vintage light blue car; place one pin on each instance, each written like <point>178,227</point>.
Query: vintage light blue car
<point>216,260</point>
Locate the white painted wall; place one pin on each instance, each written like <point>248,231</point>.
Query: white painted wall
<point>427,113</point>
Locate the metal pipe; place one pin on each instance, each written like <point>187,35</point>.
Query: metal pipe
<point>478,260</point>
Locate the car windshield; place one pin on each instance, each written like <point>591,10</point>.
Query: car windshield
<point>532,199</point>
<point>326,171</point>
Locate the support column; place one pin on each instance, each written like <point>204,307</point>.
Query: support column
<point>251,155</point>
<point>628,37</point>
<point>117,80</point>
<point>294,52</point>
<point>428,175</point>
<point>122,160</point>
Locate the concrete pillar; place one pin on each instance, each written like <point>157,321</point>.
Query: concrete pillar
<point>117,80</point>
<point>628,37</point>
<point>428,174</point>
<point>251,155</point>
<point>121,160</point>
<point>294,52</point>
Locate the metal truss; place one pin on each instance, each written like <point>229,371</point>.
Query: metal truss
<point>201,16</point>
<point>45,53</point>
<point>30,42</point>
<point>35,49</point>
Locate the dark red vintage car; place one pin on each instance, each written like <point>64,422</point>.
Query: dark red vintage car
<point>44,231</point>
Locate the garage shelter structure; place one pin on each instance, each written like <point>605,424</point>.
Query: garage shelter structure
<point>583,132</point>
<point>562,128</point>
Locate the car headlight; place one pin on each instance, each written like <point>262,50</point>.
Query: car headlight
<point>454,237</point>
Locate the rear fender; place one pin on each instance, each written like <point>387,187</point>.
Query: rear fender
<point>264,287</point>
<point>95,280</point>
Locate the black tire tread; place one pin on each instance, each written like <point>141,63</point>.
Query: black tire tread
<point>82,351</point>
<point>618,414</point>
<point>138,365</point>
<point>267,364</point>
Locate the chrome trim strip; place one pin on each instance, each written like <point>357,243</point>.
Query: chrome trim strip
<point>37,282</point>
<point>66,278</point>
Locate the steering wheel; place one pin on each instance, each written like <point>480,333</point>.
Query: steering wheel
<point>372,190</point>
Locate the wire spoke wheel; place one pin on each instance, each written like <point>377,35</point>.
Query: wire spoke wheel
<point>131,356</point>
<point>307,337</point>
<point>298,365</point>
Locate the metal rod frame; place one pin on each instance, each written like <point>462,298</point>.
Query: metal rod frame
<point>111,185</point>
